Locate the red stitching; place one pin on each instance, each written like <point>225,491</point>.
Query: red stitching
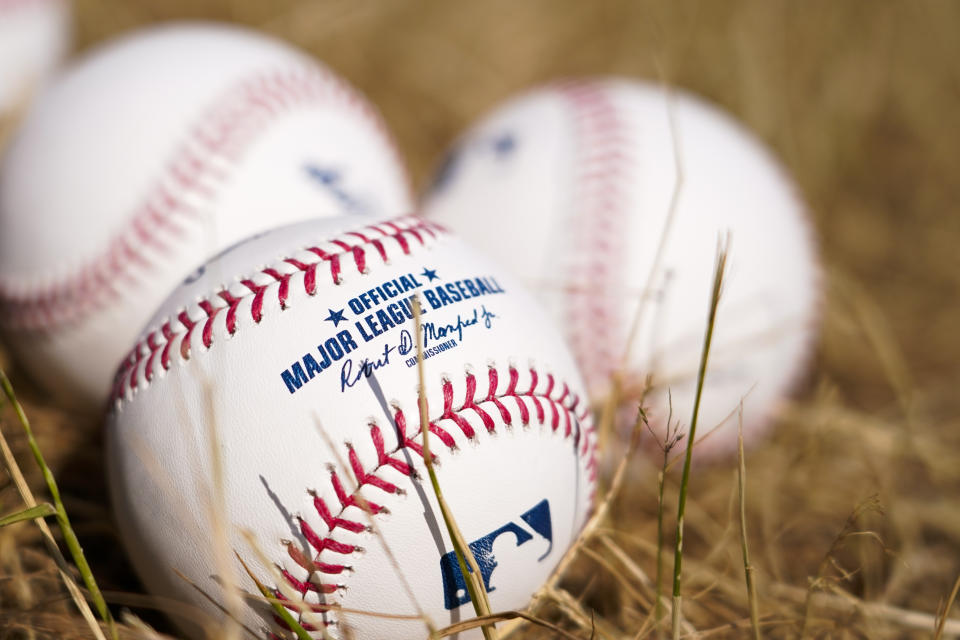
<point>504,414</point>
<point>131,373</point>
<point>165,354</point>
<point>224,132</point>
<point>578,426</point>
<point>384,459</point>
<point>604,148</point>
<point>328,517</point>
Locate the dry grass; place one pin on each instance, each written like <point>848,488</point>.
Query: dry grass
<point>862,100</point>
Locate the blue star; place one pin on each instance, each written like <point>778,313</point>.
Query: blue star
<point>429,274</point>
<point>336,317</point>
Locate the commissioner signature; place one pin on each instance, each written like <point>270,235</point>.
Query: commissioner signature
<point>353,371</point>
<point>434,331</point>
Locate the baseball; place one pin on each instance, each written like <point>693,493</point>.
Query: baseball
<point>148,156</point>
<point>570,186</point>
<point>34,39</point>
<point>295,350</point>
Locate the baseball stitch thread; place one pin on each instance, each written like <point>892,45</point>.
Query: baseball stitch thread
<point>600,217</point>
<point>554,405</point>
<point>198,168</point>
<point>173,338</point>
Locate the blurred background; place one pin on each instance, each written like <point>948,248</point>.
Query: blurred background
<point>861,101</point>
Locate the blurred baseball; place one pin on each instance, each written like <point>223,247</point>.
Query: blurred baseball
<point>570,186</point>
<point>150,155</point>
<point>34,39</point>
<point>305,361</point>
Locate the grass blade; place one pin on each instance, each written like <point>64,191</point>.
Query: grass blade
<point>691,438</point>
<point>946,610</point>
<point>658,608</point>
<point>277,605</point>
<point>748,569</point>
<point>671,437</point>
<point>40,511</point>
<point>471,578</point>
<point>219,522</point>
<point>62,520</point>
<point>466,625</point>
<point>822,579</point>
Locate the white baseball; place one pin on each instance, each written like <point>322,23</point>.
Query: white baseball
<point>299,344</point>
<point>150,155</point>
<point>34,39</point>
<point>570,186</point>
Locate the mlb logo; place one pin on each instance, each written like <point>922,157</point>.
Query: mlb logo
<point>499,548</point>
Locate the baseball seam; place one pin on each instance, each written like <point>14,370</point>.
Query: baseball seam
<point>603,148</point>
<point>158,348</point>
<point>554,405</point>
<point>197,169</point>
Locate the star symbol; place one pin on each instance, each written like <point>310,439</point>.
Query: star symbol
<point>336,317</point>
<point>429,274</point>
